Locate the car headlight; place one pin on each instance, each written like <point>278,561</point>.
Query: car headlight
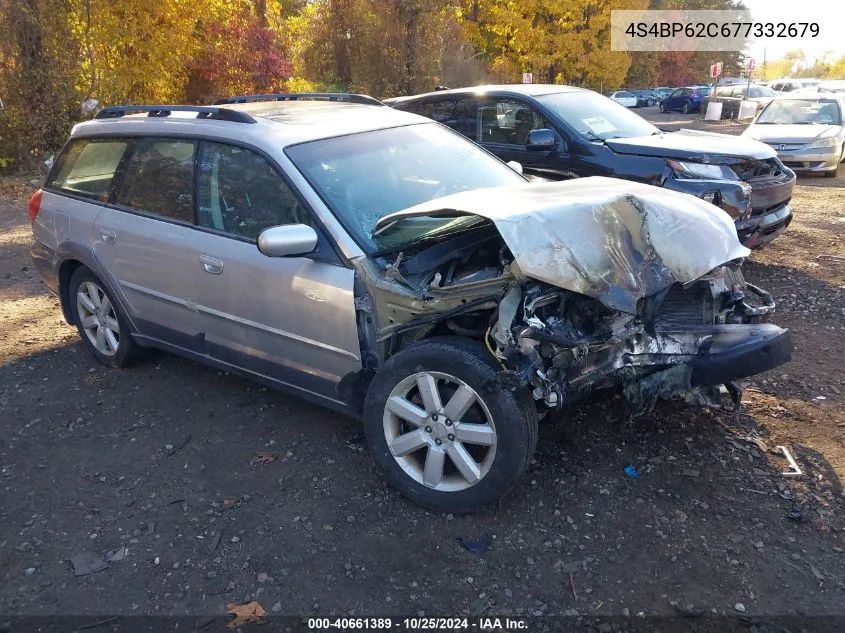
<point>700,170</point>
<point>831,141</point>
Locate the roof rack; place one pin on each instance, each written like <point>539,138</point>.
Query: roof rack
<point>203,112</point>
<point>304,96</point>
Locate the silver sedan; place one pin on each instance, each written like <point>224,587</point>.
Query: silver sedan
<point>806,131</point>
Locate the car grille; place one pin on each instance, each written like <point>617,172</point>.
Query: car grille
<point>769,209</point>
<point>759,170</point>
<point>786,147</point>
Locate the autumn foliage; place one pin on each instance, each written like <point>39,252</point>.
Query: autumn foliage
<point>57,54</point>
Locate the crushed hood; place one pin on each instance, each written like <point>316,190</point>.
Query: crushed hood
<point>610,239</point>
<point>691,145</point>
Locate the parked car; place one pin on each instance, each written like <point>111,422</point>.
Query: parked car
<point>586,134</point>
<point>645,98</point>
<point>662,92</point>
<point>382,265</point>
<point>686,99</point>
<point>807,131</point>
<point>833,85</point>
<point>790,85</point>
<point>731,97</point>
<point>625,98</point>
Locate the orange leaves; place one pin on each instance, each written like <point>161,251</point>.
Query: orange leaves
<point>245,613</point>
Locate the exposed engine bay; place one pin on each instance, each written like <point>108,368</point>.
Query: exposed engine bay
<point>603,291</point>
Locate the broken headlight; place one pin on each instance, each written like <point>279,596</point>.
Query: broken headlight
<point>684,169</point>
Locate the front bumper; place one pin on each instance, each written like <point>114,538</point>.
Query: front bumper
<point>810,161</point>
<point>739,353</point>
<point>760,230</point>
<point>770,212</point>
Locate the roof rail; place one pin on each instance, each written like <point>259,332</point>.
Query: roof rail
<point>203,112</point>
<point>304,96</point>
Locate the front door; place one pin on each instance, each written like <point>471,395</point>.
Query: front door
<point>502,128</point>
<point>290,319</point>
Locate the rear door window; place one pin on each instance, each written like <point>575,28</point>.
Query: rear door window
<point>87,167</point>
<point>453,112</point>
<point>160,178</point>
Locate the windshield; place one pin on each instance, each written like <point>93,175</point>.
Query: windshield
<point>756,92</point>
<point>596,117</point>
<point>801,112</point>
<point>363,177</point>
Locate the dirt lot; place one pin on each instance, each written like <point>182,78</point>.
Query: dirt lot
<point>158,459</point>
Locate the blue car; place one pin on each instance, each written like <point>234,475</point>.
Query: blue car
<point>686,99</point>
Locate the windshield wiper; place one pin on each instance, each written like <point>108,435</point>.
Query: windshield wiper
<point>436,237</point>
<point>594,137</point>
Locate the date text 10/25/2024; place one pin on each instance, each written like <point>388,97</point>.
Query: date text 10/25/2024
<point>419,624</point>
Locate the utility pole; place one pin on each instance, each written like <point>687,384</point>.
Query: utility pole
<point>764,63</point>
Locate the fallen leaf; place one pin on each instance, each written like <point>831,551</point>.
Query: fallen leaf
<point>228,502</point>
<point>245,613</point>
<point>263,458</point>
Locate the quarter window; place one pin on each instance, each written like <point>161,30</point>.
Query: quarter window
<point>88,166</point>
<point>160,178</point>
<point>242,194</point>
<point>507,121</point>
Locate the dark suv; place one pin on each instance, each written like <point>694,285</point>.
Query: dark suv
<point>559,132</point>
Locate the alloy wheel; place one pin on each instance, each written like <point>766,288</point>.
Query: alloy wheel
<point>98,318</point>
<point>440,431</point>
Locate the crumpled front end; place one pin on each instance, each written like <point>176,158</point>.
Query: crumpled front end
<point>579,286</point>
<point>681,341</point>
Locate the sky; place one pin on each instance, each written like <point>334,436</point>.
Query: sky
<point>829,14</point>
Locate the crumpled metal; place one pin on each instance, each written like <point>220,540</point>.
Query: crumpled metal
<point>614,240</point>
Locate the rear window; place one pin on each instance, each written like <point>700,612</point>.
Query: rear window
<point>87,167</point>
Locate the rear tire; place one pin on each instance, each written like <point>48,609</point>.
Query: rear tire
<point>458,465</point>
<point>101,325</point>
<point>662,108</point>
<point>686,109</point>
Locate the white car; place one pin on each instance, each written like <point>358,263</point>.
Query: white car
<point>806,130</point>
<point>627,99</point>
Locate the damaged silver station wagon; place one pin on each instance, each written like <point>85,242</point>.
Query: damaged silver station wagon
<point>382,265</point>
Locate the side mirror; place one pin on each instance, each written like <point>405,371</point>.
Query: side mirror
<point>517,167</point>
<point>287,240</point>
<point>542,139</point>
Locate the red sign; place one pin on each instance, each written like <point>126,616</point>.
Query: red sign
<point>716,69</point>
<point>751,64</point>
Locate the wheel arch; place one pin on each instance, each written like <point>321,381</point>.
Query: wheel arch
<point>71,256</point>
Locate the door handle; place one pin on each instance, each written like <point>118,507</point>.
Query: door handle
<point>107,236</point>
<point>211,264</point>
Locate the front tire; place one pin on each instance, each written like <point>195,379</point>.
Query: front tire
<point>686,109</point>
<point>101,325</point>
<point>446,434</point>
<point>662,108</point>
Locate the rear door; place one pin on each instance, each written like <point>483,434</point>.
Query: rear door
<point>145,239</point>
<point>290,319</point>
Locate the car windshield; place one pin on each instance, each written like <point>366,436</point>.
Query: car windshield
<point>756,92</point>
<point>596,117</point>
<point>801,112</point>
<point>363,177</point>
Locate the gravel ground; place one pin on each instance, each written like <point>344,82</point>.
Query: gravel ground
<point>156,466</point>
